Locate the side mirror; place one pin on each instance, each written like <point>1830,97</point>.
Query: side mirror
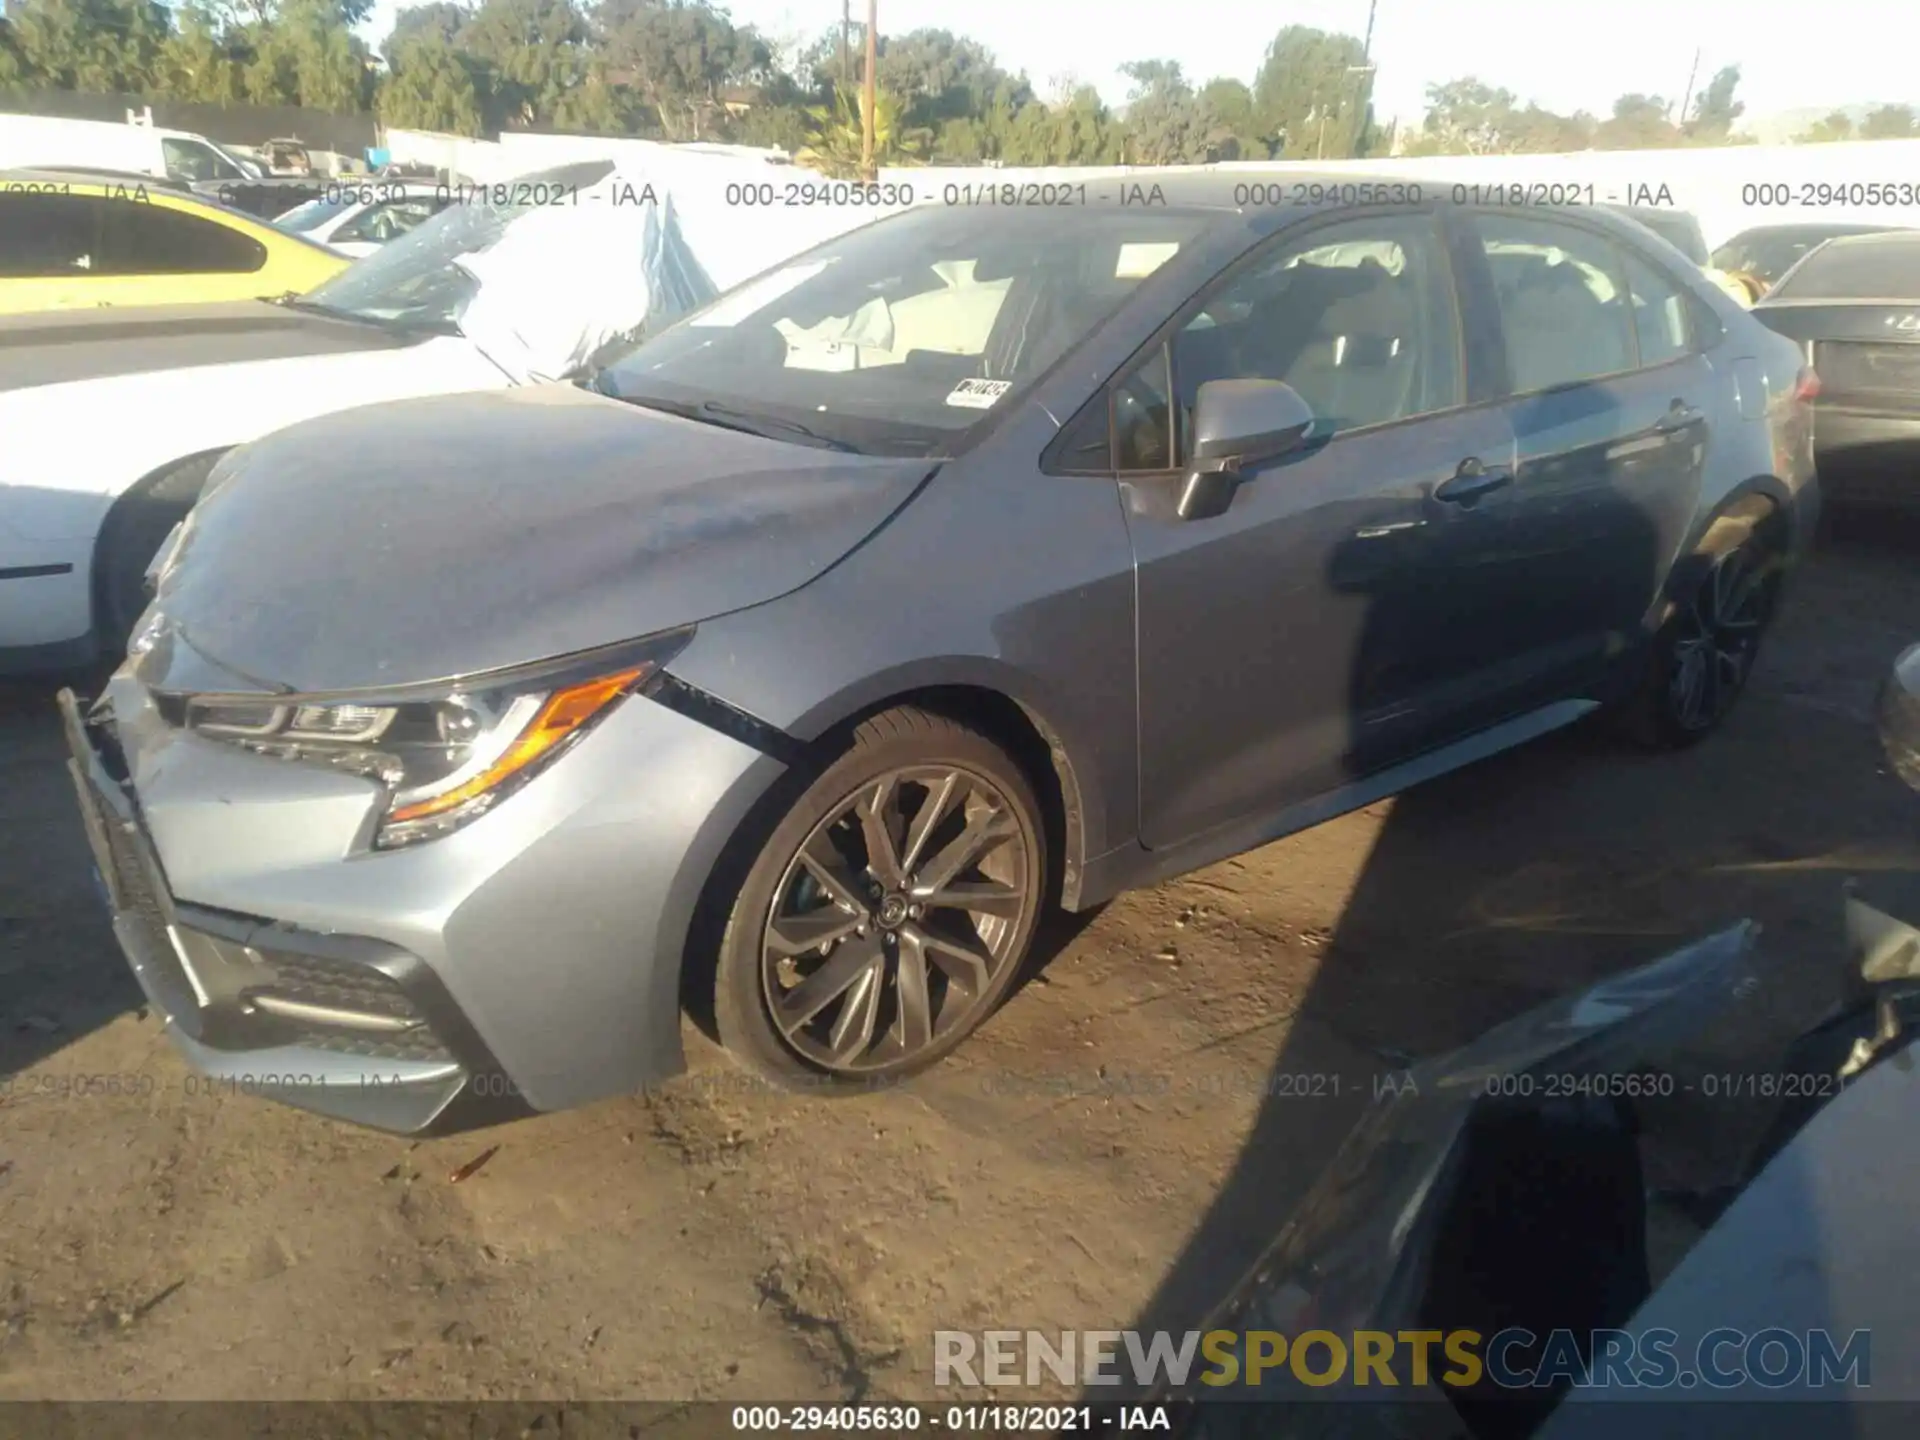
<point>1238,423</point>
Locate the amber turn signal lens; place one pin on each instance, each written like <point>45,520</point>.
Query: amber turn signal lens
<point>564,712</point>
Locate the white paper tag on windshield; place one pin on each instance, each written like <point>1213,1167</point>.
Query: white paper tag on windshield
<point>978,394</point>
<point>1139,259</point>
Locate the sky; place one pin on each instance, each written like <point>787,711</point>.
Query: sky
<point>1563,56</point>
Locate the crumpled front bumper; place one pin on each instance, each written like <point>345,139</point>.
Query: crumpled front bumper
<point>528,962</point>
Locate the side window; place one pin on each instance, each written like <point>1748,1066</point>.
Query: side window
<point>1660,312</point>
<point>1561,302</point>
<point>1357,316</point>
<point>380,223</point>
<point>1085,446</point>
<point>1143,417</point>
<point>147,239</point>
<point>189,160</point>
<point>44,236</point>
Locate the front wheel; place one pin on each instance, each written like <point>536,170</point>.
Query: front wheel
<point>1705,652</point>
<point>889,911</point>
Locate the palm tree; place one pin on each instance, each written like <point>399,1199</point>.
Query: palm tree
<point>834,135</point>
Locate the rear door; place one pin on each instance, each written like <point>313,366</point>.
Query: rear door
<point>1611,401</point>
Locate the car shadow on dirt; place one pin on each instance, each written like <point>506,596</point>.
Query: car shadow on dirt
<point>1500,886</point>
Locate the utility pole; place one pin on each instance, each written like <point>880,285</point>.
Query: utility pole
<point>846,44</point>
<point>867,172</point>
<point>1686,103</point>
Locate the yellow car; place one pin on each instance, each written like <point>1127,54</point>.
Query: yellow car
<point>70,240</point>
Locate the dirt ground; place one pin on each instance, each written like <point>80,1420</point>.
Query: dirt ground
<point>1103,1154</point>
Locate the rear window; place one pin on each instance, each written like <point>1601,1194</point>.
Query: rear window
<point>1857,270</point>
<point>145,239</point>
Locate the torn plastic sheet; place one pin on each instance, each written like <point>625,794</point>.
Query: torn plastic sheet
<point>563,283</point>
<point>1353,1255</point>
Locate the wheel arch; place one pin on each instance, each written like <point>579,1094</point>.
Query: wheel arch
<point>132,495</point>
<point>1759,506</point>
<point>992,699</point>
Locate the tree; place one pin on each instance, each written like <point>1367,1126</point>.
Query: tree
<point>1890,122</point>
<point>532,53</point>
<point>96,45</point>
<point>439,19</point>
<point>1711,122</point>
<point>305,53</point>
<point>1165,122</point>
<point>1639,122</point>
<point>681,57</point>
<point>203,60</point>
<point>1311,96</point>
<point>430,85</point>
<point>1836,126</point>
<point>1468,117</point>
<point>836,136</point>
<point>938,76</point>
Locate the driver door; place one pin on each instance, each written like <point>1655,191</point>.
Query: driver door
<point>1308,635</point>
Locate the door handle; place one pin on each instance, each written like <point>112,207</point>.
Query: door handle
<point>1678,417</point>
<point>1472,480</point>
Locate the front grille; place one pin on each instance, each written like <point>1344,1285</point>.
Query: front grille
<point>1889,374</point>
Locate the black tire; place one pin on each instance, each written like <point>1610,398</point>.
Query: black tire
<point>134,531</point>
<point>904,989</point>
<point>1723,602</point>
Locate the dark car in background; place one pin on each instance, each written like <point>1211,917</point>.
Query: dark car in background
<point>978,561</point>
<point>1679,228</point>
<point>1853,306</point>
<point>1766,252</point>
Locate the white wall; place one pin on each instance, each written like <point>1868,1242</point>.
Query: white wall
<point>1796,182</point>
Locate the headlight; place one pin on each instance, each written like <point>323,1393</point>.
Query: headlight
<point>446,759</point>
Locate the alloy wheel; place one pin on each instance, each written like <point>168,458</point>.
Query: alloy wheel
<point>894,920</point>
<point>1716,639</point>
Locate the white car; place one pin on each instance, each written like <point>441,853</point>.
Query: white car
<point>111,421</point>
<point>356,217</point>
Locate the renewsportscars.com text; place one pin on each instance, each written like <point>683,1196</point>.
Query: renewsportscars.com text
<point>1320,1359</point>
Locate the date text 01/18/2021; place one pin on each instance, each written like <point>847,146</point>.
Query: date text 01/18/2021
<point>951,1419</point>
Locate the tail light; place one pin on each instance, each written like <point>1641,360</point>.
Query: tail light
<point>1807,387</point>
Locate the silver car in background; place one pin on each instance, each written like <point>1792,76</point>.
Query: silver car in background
<point>974,562</point>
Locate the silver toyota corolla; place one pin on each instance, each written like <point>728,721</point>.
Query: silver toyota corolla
<point>981,560</point>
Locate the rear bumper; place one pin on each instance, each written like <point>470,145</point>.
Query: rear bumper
<point>529,962</point>
<point>1867,457</point>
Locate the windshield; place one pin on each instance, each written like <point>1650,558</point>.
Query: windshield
<point>1863,269</point>
<point>418,279</point>
<point>896,338</point>
<point>312,215</point>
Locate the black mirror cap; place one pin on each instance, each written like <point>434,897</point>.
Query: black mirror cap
<point>1248,420</point>
<point>1900,717</point>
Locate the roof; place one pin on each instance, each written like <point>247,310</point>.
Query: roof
<point>1874,240</point>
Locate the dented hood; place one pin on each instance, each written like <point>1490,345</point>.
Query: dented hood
<point>424,540</point>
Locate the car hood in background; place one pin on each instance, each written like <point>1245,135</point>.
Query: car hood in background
<point>55,347</point>
<point>411,542</point>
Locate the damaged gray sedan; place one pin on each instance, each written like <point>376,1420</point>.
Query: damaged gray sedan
<point>978,561</point>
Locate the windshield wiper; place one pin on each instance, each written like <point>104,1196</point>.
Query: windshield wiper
<point>711,412</point>
<point>292,300</point>
<point>747,421</point>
